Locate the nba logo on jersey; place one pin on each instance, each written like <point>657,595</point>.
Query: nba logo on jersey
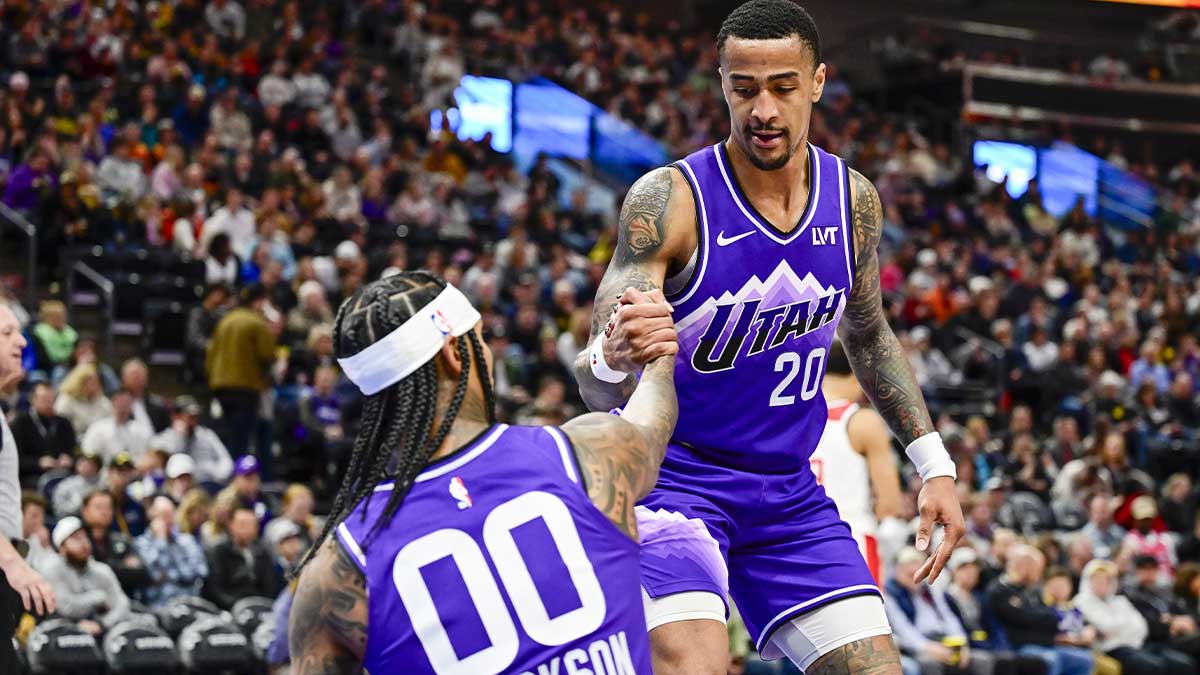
<point>458,490</point>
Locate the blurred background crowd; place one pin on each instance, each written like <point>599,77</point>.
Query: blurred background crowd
<point>234,169</point>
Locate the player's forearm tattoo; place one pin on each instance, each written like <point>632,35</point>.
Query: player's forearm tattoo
<point>328,623</point>
<point>620,456</point>
<point>640,235</point>
<point>869,656</point>
<point>874,352</point>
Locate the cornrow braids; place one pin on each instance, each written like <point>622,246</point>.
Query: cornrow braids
<point>397,436</point>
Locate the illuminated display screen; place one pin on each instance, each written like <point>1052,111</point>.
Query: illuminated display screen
<point>1017,162</point>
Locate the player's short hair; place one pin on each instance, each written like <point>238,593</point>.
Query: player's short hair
<point>770,20</point>
<point>838,363</point>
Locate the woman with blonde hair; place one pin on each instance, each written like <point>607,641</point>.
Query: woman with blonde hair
<point>81,398</point>
<point>297,509</point>
<point>216,528</point>
<point>193,511</point>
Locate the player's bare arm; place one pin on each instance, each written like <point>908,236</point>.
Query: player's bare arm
<point>620,456</point>
<point>869,435</point>
<point>327,631</point>
<point>655,235</point>
<point>887,379</point>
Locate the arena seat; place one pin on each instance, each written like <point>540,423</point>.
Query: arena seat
<point>214,643</point>
<point>138,645</point>
<point>248,613</point>
<point>179,613</point>
<point>58,645</point>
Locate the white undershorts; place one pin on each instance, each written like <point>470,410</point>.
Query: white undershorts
<point>802,640</point>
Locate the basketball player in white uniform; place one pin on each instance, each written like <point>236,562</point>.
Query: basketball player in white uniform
<point>854,460</point>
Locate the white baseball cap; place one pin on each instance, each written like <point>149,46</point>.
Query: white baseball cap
<point>64,529</point>
<point>179,465</point>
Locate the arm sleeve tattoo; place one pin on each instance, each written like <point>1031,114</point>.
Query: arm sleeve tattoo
<point>874,352</point>
<point>641,231</point>
<point>620,456</point>
<point>327,631</point>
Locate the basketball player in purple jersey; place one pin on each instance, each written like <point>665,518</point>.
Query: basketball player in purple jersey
<point>751,254</point>
<point>466,547</point>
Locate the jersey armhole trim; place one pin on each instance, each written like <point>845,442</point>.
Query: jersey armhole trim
<point>848,223</point>
<point>700,255</point>
<point>350,545</point>
<point>566,452</point>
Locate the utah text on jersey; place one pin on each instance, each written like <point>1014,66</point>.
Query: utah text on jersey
<point>774,311</point>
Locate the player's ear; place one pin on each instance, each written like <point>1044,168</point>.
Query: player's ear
<point>450,358</point>
<point>818,82</point>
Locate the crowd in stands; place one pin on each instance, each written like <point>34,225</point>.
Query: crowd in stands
<point>287,146</point>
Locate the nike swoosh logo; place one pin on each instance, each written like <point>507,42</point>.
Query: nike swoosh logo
<point>722,240</point>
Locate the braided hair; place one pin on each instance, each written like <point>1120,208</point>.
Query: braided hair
<point>397,436</point>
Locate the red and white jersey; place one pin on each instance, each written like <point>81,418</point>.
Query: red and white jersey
<point>844,474</point>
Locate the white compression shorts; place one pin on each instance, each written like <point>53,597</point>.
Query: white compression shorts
<point>802,640</point>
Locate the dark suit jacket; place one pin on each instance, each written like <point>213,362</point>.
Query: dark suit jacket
<point>38,437</point>
<point>231,577</point>
<point>160,418</point>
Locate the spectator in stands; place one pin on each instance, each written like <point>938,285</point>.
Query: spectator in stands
<point>322,413</point>
<point>111,546</point>
<point>1189,549</point>
<point>1106,535</point>
<point>216,528</point>
<point>1183,402</point>
<point>120,433</point>
<point>174,559</point>
<point>85,353</point>
<point>297,505</point>
<point>222,266</point>
<point>129,517</point>
<point>53,339</point>
<point>1121,628</point>
<point>193,512</point>
<point>29,183</point>
<point>202,321</point>
<point>1080,552</point>
<point>1146,539</point>
<point>212,463</point>
<point>968,602</point>
<point>1031,626</point>
<point>121,179</point>
<point>1173,630</point>
<point>241,351</point>
<point>33,529</point>
<point>240,566</point>
<point>180,473</point>
<point>313,309</point>
<point>246,486</point>
<point>923,622</point>
<point>233,219</point>
<point>81,399</point>
<point>148,407</point>
<point>45,441</point>
<point>68,495</point>
<point>286,544</point>
<point>1178,506</point>
<point>87,590</point>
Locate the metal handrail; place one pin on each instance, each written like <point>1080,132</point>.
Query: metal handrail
<point>14,218</point>
<point>107,289</point>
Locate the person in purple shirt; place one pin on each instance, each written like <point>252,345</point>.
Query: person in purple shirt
<point>463,545</point>
<point>29,182</point>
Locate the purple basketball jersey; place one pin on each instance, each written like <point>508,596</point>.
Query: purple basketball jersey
<point>497,562</point>
<point>757,317</point>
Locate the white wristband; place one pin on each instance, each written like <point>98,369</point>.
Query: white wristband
<point>600,367</point>
<point>929,455</point>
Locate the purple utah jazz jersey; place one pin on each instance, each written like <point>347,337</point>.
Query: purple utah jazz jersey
<point>756,320</point>
<point>497,562</point>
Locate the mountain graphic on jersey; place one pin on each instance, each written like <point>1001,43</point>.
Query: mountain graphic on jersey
<point>761,316</point>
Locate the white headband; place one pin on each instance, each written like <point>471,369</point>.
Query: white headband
<point>410,346</point>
